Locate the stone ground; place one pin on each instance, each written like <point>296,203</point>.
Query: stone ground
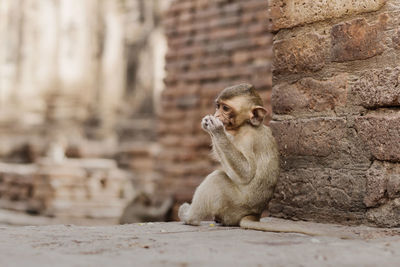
<point>175,244</point>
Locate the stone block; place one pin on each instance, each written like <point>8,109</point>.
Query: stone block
<point>380,131</point>
<point>313,137</point>
<point>383,183</point>
<point>396,40</point>
<point>387,215</point>
<point>378,88</point>
<point>320,194</point>
<point>290,13</point>
<point>357,39</point>
<point>330,142</point>
<point>305,53</point>
<point>310,95</point>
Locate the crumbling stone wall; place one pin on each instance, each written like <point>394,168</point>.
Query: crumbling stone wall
<point>212,44</point>
<point>336,99</point>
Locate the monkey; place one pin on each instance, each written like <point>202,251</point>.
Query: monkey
<point>238,192</point>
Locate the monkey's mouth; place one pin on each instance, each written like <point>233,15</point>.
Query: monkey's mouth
<point>229,125</point>
<point>226,123</point>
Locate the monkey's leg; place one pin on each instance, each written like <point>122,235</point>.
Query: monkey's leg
<point>209,200</point>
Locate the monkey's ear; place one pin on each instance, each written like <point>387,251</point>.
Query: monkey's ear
<point>257,116</point>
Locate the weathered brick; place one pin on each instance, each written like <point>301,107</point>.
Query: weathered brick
<point>396,40</point>
<point>310,95</point>
<point>316,142</point>
<point>305,53</point>
<point>180,6</point>
<point>289,13</point>
<point>218,34</point>
<point>313,137</point>
<point>380,131</point>
<point>326,171</point>
<point>187,101</point>
<point>255,5</point>
<point>240,57</point>
<point>320,194</point>
<point>357,39</point>
<point>378,88</point>
<point>383,183</point>
<point>387,215</point>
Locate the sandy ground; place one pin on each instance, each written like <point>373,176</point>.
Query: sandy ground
<point>174,244</point>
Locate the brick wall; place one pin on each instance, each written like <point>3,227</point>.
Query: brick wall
<point>212,44</point>
<point>336,103</point>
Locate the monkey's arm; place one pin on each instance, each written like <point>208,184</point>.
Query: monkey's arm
<point>238,167</point>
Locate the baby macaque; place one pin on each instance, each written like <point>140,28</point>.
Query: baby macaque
<point>239,192</point>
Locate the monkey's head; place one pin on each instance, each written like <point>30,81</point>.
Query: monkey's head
<point>238,105</point>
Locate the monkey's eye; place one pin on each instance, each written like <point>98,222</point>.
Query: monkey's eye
<point>225,108</point>
<point>217,105</point>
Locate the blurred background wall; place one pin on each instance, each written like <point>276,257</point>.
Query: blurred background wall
<point>79,63</point>
<point>78,80</point>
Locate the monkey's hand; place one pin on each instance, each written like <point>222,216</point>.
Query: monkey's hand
<point>212,124</point>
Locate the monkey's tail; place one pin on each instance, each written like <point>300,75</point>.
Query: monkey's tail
<point>252,222</point>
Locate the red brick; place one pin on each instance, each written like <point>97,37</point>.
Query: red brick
<point>310,95</point>
<point>378,88</point>
<point>380,131</point>
<point>396,40</point>
<point>387,215</point>
<point>383,183</point>
<point>357,39</point>
<point>254,5</point>
<point>316,137</point>
<point>304,53</point>
<point>287,14</point>
<point>320,194</point>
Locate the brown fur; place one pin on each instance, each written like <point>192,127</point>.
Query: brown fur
<point>242,90</point>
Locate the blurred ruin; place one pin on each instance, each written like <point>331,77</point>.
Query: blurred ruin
<point>80,83</point>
